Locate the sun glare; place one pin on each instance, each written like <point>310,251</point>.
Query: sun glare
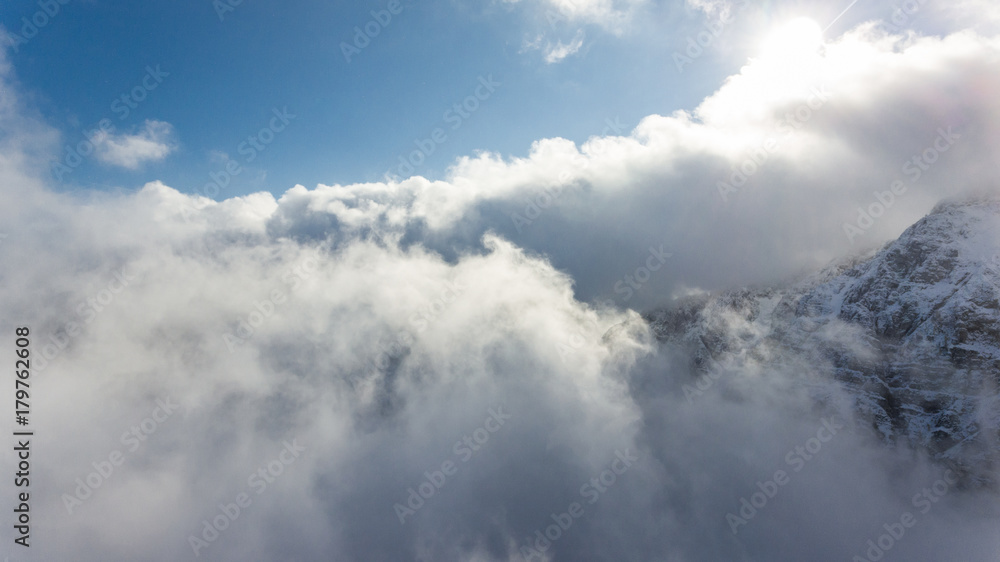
<point>796,38</point>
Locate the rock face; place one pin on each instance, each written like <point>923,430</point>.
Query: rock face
<point>912,333</point>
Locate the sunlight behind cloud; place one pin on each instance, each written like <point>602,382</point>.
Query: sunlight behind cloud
<point>798,38</point>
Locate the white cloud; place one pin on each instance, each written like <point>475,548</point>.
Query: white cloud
<point>876,101</point>
<point>981,15</point>
<point>559,51</point>
<point>611,15</point>
<point>152,144</point>
<point>378,359</point>
<point>713,8</point>
<point>359,335</point>
<point>400,320</point>
<point>554,53</point>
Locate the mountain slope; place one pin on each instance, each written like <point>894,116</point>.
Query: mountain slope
<point>911,332</point>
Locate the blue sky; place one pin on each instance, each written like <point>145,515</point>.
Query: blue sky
<point>353,120</point>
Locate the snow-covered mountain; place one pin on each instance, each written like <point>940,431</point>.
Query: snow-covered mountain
<point>912,332</point>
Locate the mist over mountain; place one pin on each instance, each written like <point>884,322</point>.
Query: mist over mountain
<point>912,333</point>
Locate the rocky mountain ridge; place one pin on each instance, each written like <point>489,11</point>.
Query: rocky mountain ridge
<point>912,333</point>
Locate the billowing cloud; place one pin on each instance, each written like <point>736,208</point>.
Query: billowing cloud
<point>152,143</point>
<point>248,395</point>
<point>426,369</point>
<point>788,160</point>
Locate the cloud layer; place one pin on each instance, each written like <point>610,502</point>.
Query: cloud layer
<point>755,184</point>
<point>331,350</point>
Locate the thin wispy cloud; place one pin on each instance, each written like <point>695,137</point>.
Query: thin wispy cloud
<point>559,51</point>
<point>611,15</point>
<point>554,53</point>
